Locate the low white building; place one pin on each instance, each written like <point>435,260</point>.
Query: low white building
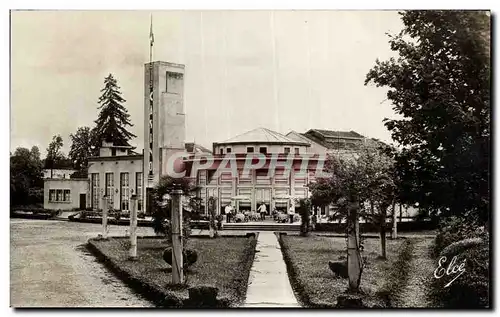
<point>65,194</point>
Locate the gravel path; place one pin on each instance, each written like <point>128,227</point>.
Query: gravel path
<point>421,274</point>
<point>49,267</point>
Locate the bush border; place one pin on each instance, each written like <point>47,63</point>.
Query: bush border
<point>164,298</point>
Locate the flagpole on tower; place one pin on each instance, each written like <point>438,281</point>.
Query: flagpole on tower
<point>151,39</point>
<point>151,42</point>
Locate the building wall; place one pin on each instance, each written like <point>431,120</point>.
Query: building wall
<point>257,186</point>
<point>164,118</point>
<point>75,186</point>
<point>132,166</point>
<point>164,123</point>
<point>271,148</point>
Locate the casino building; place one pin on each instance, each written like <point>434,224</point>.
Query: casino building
<point>119,172</point>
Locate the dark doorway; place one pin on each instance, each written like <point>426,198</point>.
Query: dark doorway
<point>83,201</point>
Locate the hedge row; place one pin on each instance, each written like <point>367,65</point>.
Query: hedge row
<point>406,226</point>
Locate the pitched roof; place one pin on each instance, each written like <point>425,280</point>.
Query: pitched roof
<point>192,147</point>
<point>334,137</point>
<point>336,134</point>
<point>262,135</point>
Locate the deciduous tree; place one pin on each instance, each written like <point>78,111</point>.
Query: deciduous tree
<point>439,85</point>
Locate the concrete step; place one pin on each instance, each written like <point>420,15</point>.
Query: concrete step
<point>261,227</point>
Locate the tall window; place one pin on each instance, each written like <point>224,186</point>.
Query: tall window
<point>263,150</point>
<point>228,150</point>
<point>95,190</point>
<point>67,195</point>
<point>59,195</point>
<point>221,151</point>
<point>297,150</point>
<point>52,195</point>
<point>124,191</point>
<point>287,150</point>
<point>138,189</point>
<point>110,188</point>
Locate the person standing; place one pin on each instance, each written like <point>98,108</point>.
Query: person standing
<point>228,211</point>
<point>291,213</point>
<point>262,210</point>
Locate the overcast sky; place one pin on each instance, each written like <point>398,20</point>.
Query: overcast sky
<point>287,70</point>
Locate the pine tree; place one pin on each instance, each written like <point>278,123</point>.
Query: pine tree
<point>113,118</point>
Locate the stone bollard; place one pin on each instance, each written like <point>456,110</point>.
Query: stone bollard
<point>203,296</point>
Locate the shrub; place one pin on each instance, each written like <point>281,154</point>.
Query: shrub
<point>339,268</point>
<point>202,297</point>
<point>471,289</point>
<point>454,230</point>
<point>458,237</point>
<point>189,257</point>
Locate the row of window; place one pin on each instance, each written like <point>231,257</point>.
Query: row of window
<point>109,189</point>
<point>261,177</point>
<point>262,149</point>
<point>59,195</point>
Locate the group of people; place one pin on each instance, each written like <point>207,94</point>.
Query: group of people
<point>262,211</point>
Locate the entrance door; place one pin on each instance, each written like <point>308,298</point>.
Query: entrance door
<point>83,201</point>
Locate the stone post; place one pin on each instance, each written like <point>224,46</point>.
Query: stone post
<point>133,228</point>
<point>105,217</point>
<point>177,269</point>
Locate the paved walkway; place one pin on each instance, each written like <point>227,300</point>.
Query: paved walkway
<point>268,283</point>
<point>50,268</point>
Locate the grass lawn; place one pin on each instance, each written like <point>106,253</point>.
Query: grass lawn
<point>223,262</point>
<point>312,279</point>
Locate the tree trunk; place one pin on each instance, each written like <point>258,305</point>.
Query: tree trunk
<point>353,252</point>
<point>383,253</point>
<point>394,222</point>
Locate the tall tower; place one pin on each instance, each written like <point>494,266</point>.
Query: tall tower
<point>164,118</point>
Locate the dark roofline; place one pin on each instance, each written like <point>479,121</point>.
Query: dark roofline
<point>320,132</point>
<point>116,158</point>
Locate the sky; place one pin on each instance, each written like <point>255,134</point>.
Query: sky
<point>282,70</point>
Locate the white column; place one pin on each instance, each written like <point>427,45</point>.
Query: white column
<point>133,228</point>
<point>104,217</point>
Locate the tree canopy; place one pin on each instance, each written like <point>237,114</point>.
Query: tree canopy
<point>25,173</point>
<point>82,148</point>
<point>113,119</point>
<point>439,85</point>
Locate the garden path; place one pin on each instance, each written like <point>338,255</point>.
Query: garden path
<point>268,285</point>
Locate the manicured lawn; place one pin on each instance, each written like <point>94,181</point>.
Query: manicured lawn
<point>223,262</point>
<point>312,279</point>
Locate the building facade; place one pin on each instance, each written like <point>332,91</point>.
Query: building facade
<point>65,194</point>
<point>265,167</point>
